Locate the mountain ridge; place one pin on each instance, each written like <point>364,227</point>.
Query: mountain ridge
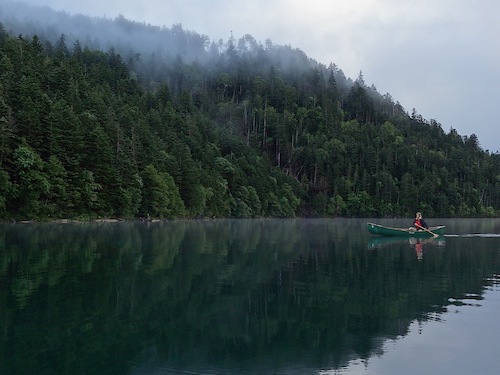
<point>235,129</point>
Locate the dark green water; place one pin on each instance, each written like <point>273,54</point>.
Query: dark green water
<point>248,297</point>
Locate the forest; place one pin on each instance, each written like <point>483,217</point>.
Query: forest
<point>171,125</point>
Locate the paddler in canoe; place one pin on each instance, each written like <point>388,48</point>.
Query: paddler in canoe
<point>419,222</point>
<point>419,228</point>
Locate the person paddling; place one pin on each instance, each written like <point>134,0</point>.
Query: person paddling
<point>419,222</point>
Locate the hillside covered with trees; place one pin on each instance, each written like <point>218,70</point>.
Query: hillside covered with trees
<point>164,123</point>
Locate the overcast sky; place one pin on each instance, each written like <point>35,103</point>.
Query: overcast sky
<point>441,57</point>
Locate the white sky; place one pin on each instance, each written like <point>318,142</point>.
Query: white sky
<point>441,57</point>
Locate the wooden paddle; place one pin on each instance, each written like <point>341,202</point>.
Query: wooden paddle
<point>427,230</point>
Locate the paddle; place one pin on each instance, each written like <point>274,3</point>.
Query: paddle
<point>427,230</point>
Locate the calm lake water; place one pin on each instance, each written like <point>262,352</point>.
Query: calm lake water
<point>248,297</point>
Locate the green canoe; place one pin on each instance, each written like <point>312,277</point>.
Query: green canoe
<point>408,232</point>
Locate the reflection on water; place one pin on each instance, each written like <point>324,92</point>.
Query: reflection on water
<point>232,296</point>
<point>418,244</point>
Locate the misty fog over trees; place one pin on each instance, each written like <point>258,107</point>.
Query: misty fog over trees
<point>115,118</point>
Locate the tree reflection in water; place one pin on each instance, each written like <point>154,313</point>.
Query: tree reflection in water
<point>223,294</point>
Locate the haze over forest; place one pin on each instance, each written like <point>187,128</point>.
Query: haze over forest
<point>115,118</point>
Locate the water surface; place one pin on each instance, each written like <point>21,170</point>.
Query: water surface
<point>248,297</point>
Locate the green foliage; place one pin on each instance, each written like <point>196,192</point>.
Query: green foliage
<point>237,134</point>
<point>57,198</point>
<point>161,198</point>
<point>5,191</point>
<point>87,192</point>
<point>30,182</point>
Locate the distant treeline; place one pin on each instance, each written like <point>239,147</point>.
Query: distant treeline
<point>234,129</point>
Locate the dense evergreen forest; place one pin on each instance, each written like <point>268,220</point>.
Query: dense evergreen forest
<point>163,123</point>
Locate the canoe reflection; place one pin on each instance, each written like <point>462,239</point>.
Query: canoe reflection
<point>417,243</point>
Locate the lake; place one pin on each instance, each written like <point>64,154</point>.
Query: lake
<point>291,296</point>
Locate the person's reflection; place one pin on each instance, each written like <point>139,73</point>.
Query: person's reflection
<point>418,243</point>
<point>419,247</point>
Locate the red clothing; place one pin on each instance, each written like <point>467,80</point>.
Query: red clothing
<point>420,223</point>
